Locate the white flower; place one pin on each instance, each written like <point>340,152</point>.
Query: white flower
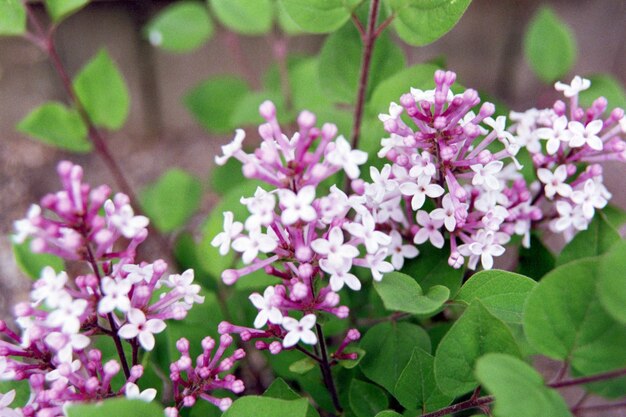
<point>592,196</point>
<point>67,314</point>
<point>5,402</point>
<point>420,190</point>
<point>138,326</point>
<point>231,230</point>
<point>184,287</point>
<point>429,230</point>
<point>422,165</point>
<point>337,253</point>
<point>61,371</point>
<point>586,135</point>
<point>381,183</point>
<point>486,175</point>
<point>131,391</point>
<point>387,144</point>
<point>253,243</point>
<point>261,207</point>
<point>446,213</point>
<point>299,330</point>
<point>66,343</point>
<point>366,231</point>
<point>297,207</point>
<point>340,276</point>
<point>267,310</point>
<point>494,218</point>
<point>115,295</point>
<point>499,126</point>
<point>399,251</point>
<point>49,287</point>
<point>555,135</point>
<point>124,220</point>
<point>7,372</point>
<point>25,227</point>
<point>486,245</point>
<point>569,217</point>
<point>555,183</point>
<point>137,274</point>
<point>346,157</point>
<point>377,264</point>
<point>395,110</point>
<point>231,148</point>
<point>570,90</point>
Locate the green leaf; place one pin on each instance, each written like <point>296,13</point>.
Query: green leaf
<point>32,263</point>
<point>213,102</point>
<point>209,256</point>
<point>400,292</point>
<point>249,17</point>
<point>101,89</point>
<point>535,261</point>
<point>351,363</point>
<point>60,9</point>
<point>612,284</point>
<point>549,46</point>
<point>285,22</point>
<point>387,354</point>
<point>366,399</point>
<point>319,16</point>
<point>502,293</point>
<point>564,319</point>
<point>431,269</point>
<point>247,109</point>
<point>119,407</point>
<point>56,125</point>
<point>252,405</point>
<point>607,86</point>
<point>281,390</point>
<point>599,237</point>
<point>416,387</point>
<point>226,177</point>
<point>180,27</point>
<point>12,18</point>
<point>420,22</point>
<point>616,216</point>
<point>476,333</point>
<point>340,63</point>
<point>302,366</point>
<point>510,379</point>
<point>388,413</point>
<point>172,199</point>
<point>22,391</point>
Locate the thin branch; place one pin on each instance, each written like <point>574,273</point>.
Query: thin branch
<point>601,407</point>
<point>465,405</point>
<point>326,372</point>
<point>384,25</point>
<point>589,379</point>
<point>359,26</point>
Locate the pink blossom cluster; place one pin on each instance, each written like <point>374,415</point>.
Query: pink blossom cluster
<point>567,143</point>
<point>309,241</point>
<point>114,297</point>
<point>455,172</point>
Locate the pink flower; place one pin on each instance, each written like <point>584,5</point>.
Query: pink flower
<point>138,326</point>
<point>429,230</point>
<point>297,206</point>
<point>299,330</point>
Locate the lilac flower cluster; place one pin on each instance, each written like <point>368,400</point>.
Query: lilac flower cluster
<point>567,144</point>
<point>115,297</point>
<point>463,163</point>
<point>310,242</point>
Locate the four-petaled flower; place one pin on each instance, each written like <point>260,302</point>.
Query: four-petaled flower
<point>231,231</point>
<point>297,206</point>
<point>554,183</point>
<point>131,391</point>
<point>486,175</point>
<point>138,326</point>
<point>366,230</point>
<point>253,243</point>
<point>337,253</point>
<point>586,135</point>
<point>115,295</point>
<point>346,157</point>
<point>420,190</point>
<point>429,230</point>
<point>299,330</point>
<point>267,310</point>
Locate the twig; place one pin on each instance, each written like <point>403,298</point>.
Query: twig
<point>326,372</point>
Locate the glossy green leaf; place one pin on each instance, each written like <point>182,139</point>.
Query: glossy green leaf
<point>101,89</point>
<point>60,9</point>
<point>319,16</point>
<point>249,17</point>
<point>340,63</point>
<point>416,387</point>
<point>119,407</point>
<point>252,405</point>
<point>213,102</point>
<point>536,261</point>
<point>180,27</point>
<point>607,86</point>
<point>386,351</point>
<point>549,46</point>
<point>366,399</point>
<point>302,366</point>
<point>12,18</point>
<point>32,263</point>
<point>281,390</point>
<point>246,111</point>
<point>56,125</point>
<point>612,284</point>
<point>616,216</point>
<point>502,293</point>
<point>564,319</point>
<point>285,22</point>
<point>172,199</point>
<point>400,292</point>
<point>420,22</point>
<point>599,237</point>
<point>476,333</point>
<point>431,269</point>
<point>510,379</point>
<point>226,177</point>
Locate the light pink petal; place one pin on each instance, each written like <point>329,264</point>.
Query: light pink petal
<point>128,331</point>
<point>146,339</point>
<point>275,316</point>
<point>352,282</point>
<point>306,195</point>
<point>155,325</point>
<point>487,260</point>
<point>257,300</point>
<point>291,339</point>
<point>436,238</point>
<point>409,188</point>
<point>308,337</point>
<point>308,321</point>
<point>261,319</point>
<point>289,323</point>
<point>421,236</point>
<point>308,214</point>
<point>136,316</point>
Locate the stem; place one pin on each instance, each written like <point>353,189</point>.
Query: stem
<point>465,405</point>
<point>309,354</point>
<point>601,407</point>
<point>326,372</point>
<point>368,46</point>
<point>588,379</point>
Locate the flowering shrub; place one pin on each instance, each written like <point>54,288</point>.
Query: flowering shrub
<point>329,255</point>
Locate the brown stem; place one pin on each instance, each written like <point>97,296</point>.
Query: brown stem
<point>589,379</point>
<point>326,372</point>
<point>465,405</point>
<point>368,46</point>
<point>601,407</point>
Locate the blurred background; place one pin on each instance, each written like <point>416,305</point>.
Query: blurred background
<point>485,49</point>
